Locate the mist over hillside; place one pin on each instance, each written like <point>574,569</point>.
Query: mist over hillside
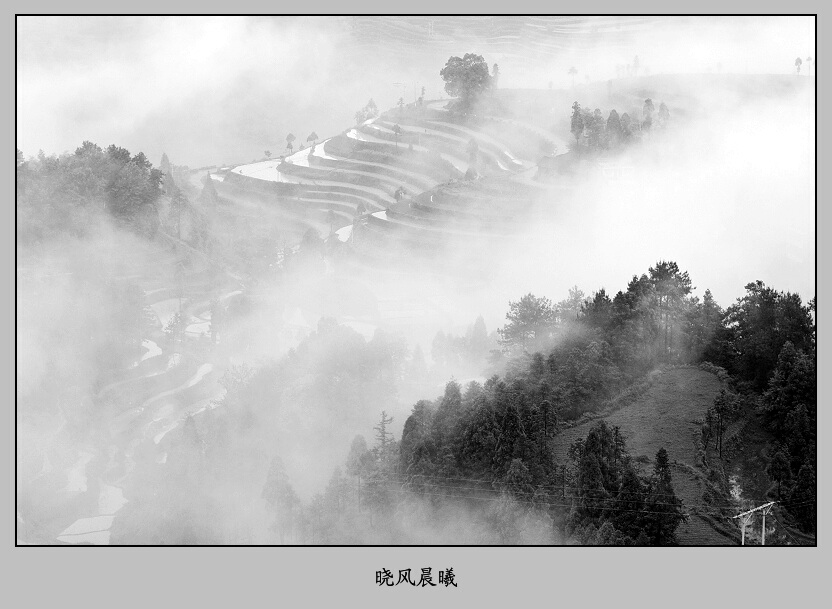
<point>335,280</point>
<point>214,91</point>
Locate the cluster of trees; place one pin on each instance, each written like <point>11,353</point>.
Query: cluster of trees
<point>467,352</point>
<point>799,62</point>
<point>62,194</point>
<point>585,350</point>
<point>366,113</point>
<point>654,320</point>
<point>312,139</point>
<point>594,133</point>
<point>487,450</point>
<point>630,69</point>
<point>614,504</point>
<point>766,341</point>
<point>68,194</point>
<point>790,410</point>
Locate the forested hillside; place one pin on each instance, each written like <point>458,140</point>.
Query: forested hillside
<point>303,349</point>
<point>534,454</point>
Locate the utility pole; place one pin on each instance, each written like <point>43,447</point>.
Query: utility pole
<point>765,511</point>
<point>746,517</point>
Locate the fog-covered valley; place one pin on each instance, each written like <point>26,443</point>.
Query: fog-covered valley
<point>405,281</point>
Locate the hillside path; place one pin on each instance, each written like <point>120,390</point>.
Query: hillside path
<point>666,416</point>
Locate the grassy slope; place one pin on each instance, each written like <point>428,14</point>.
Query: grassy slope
<point>665,416</point>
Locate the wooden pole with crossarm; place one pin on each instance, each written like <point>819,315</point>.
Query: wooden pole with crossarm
<point>745,519</point>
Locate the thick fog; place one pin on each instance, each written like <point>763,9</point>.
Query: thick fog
<point>280,360</point>
<point>220,90</point>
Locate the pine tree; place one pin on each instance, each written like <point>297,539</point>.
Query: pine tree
<point>664,115</point>
<point>208,196</point>
<point>478,341</point>
<point>577,124</point>
<point>665,508</point>
<point>629,519</point>
<point>573,72</point>
<point>647,114</point>
<point>802,503</point>
<point>615,134</point>
<point>778,469</point>
<point>531,323</point>
<point>360,458</point>
<point>626,128</point>
<point>384,439</point>
<point>672,286</point>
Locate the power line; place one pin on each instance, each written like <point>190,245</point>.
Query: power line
<point>691,510</point>
<point>555,487</point>
<point>558,488</point>
<point>414,479</point>
<point>702,508</point>
<point>785,530</point>
<point>507,497</point>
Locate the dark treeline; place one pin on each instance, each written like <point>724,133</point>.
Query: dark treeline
<point>71,194</point>
<point>478,464</point>
<point>58,194</point>
<point>576,357</point>
<point>767,342</point>
<point>594,133</point>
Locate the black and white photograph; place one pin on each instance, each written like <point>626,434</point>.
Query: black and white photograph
<point>416,280</point>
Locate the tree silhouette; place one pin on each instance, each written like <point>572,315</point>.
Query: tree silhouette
<point>666,509</point>
<point>577,125</point>
<point>664,115</point>
<point>289,139</point>
<point>360,210</point>
<point>647,113</point>
<point>797,63</point>
<point>778,469</point>
<point>572,72</point>
<point>398,131</point>
<point>614,131</point>
<point>531,322</point>
<point>466,77</point>
<point>313,137</point>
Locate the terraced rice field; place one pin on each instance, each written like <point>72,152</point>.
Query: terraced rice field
<point>360,175</point>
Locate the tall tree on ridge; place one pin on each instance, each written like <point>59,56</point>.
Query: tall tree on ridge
<point>577,124</point>
<point>466,78</point>
<point>672,288</point>
<point>572,72</point>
